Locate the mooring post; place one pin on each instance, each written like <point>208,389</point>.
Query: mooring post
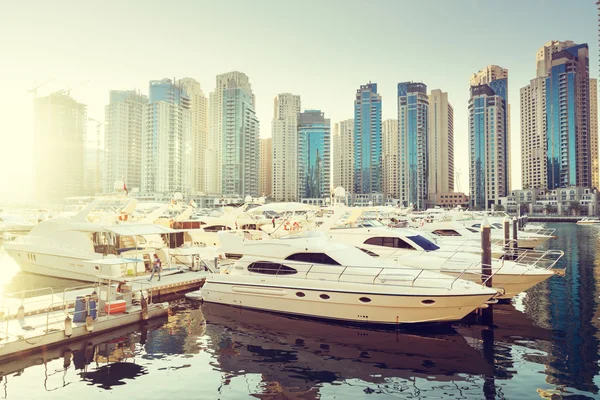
<point>486,267</point>
<point>506,225</point>
<point>515,231</point>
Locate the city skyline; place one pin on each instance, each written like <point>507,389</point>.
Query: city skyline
<point>327,87</point>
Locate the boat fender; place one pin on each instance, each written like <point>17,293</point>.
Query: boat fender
<point>21,313</point>
<point>89,323</point>
<point>68,326</point>
<point>144,309</point>
<point>67,358</point>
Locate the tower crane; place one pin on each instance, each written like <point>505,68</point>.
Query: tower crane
<point>33,90</point>
<point>457,178</point>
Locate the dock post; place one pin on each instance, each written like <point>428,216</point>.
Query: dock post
<point>486,267</point>
<point>506,226</point>
<point>515,232</point>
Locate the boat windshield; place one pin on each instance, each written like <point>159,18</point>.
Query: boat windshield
<point>424,243</point>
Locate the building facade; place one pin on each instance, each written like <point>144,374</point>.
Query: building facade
<point>413,133</point>
<point>390,156</point>
<point>284,130</point>
<point>489,139</point>
<point>568,151</point>
<point>343,157</point>
<point>314,162</point>
<point>198,133</point>
<point>166,139</point>
<point>440,144</point>
<point>123,138</point>
<point>265,177</point>
<point>60,125</point>
<point>594,132</point>
<point>213,157</point>
<point>240,143</point>
<point>367,140</point>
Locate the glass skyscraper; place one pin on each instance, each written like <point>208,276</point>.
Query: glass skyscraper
<point>367,140</point>
<point>314,163</point>
<point>413,127</point>
<point>488,137</point>
<point>568,139</point>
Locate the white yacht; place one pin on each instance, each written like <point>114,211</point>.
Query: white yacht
<point>406,247</point>
<point>14,224</point>
<point>588,221</point>
<point>310,275</point>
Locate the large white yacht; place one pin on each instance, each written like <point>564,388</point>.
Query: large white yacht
<point>311,275</point>
<point>406,247</point>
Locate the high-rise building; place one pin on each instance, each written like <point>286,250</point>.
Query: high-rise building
<point>314,167</point>
<point>367,140</point>
<point>413,134</point>
<point>594,132</point>
<point>569,159</point>
<point>488,137</point>
<point>166,139</point>
<point>123,138</point>
<point>198,133</point>
<point>215,136</point>
<point>440,145</point>
<point>343,157</point>
<point>284,129</point>
<point>389,158</point>
<point>265,178</point>
<point>240,152</point>
<point>58,148</point>
<point>533,118</point>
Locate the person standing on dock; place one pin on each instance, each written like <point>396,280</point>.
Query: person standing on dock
<point>156,267</point>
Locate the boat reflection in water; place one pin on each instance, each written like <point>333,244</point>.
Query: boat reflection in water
<point>295,357</point>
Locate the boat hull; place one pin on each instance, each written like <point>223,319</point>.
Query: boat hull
<point>343,306</point>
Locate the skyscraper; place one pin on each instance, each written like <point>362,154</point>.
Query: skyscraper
<point>413,129</point>
<point>533,118</point>
<point>198,133</point>
<point>488,137</point>
<point>367,140</point>
<point>58,148</point>
<point>240,152</point>
<point>440,144</point>
<point>265,179</point>
<point>390,156</point>
<point>166,139</point>
<point>314,167</point>
<point>343,158</point>
<point>123,138</point>
<point>594,132</point>
<point>286,108</point>
<point>569,143</point>
<point>215,136</point>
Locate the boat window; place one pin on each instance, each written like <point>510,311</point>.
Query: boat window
<point>368,252</point>
<point>424,243</point>
<point>497,225</point>
<point>313,258</point>
<point>476,225</point>
<point>472,230</point>
<point>216,228</point>
<point>270,268</point>
<point>394,242</point>
<point>446,232</point>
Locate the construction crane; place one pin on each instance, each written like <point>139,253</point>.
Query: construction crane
<point>68,91</point>
<point>33,91</point>
<point>98,144</point>
<point>457,178</point>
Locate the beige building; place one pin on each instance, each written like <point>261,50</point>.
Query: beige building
<point>214,142</point>
<point>544,55</point>
<point>594,132</point>
<point>343,157</point>
<point>198,133</point>
<point>488,74</point>
<point>441,144</point>
<point>389,159</point>
<point>265,172</point>
<point>284,130</point>
<point>533,134</point>
<point>60,125</point>
<point>449,200</point>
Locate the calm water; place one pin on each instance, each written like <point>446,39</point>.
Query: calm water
<point>544,344</point>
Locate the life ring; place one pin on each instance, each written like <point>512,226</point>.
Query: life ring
<point>286,226</point>
<point>296,226</point>
<point>123,216</point>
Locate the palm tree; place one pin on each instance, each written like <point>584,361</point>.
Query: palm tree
<point>575,207</point>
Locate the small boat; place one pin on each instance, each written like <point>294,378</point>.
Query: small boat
<point>588,221</point>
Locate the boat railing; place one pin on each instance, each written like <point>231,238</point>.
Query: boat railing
<point>22,304</point>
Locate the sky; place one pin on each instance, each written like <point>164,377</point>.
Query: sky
<point>322,50</point>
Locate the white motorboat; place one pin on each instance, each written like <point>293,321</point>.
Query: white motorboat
<point>588,221</point>
<point>405,247</point>
<point>311,275</point>
<point>14,224</point>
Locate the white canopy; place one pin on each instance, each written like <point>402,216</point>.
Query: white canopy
<point>138,229</point>
<point>284,207</point>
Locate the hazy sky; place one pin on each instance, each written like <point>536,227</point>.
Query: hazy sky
<point>321,50</point>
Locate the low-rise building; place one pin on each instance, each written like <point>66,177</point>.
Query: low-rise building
<point>574,200</point>
<point>448,199</point>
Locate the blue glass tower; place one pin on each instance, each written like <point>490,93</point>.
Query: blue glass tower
<point>488,143</point>
<point>367,140</point>
<point>413,127</point>
<point>568,134</point>
<point>314,163</point>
